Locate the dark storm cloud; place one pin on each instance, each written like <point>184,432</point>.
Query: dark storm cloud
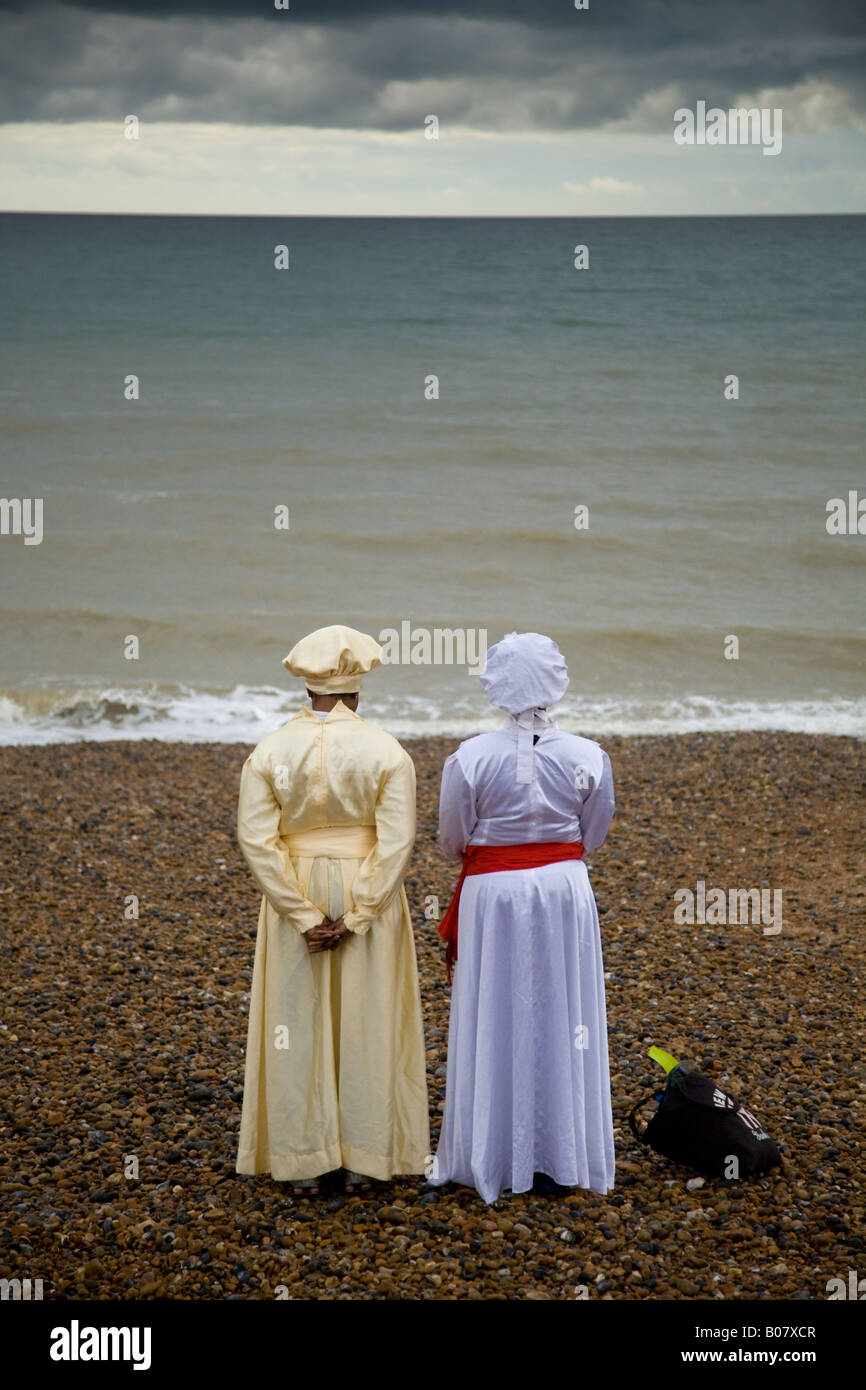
<point>384,64</point>
<point>664,18</point>
<point>683,16</point>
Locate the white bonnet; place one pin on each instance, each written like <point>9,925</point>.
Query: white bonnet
<point>525,671</point>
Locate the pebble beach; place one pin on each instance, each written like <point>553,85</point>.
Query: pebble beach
<point>123,1040</point>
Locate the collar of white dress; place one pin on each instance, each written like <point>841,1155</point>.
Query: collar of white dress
<point>527,723</point>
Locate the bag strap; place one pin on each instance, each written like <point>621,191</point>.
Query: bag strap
<point>639,1136</point>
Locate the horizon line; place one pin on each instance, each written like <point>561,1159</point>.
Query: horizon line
<point>428,216</point>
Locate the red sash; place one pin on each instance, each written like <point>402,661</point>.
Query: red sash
<point>492,859</point>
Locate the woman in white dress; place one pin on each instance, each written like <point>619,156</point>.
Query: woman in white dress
<point>528,1085</point>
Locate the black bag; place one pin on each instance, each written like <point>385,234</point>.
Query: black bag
<point>700,1125</point>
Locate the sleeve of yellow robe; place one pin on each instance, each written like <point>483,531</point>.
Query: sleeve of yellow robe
<point>269,861</point>
<point>380,877</point>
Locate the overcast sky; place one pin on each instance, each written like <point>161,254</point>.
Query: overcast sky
<point>320,109</point>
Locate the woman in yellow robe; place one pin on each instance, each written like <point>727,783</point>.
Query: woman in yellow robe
<point>335,1066</point>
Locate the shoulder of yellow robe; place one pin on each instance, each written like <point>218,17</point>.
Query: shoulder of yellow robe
<point>341,713</point>
<point>271,745</point>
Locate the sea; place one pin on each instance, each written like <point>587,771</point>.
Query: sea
<point>219,433</point>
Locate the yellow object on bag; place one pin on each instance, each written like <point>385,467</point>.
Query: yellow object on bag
<point>664,1059</point>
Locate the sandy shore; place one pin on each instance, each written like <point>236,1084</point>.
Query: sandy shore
<point>126,1038</point>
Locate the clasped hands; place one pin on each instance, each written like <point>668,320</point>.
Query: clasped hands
<point>326,935</point>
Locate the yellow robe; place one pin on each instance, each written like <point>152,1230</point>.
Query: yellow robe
<point>335,1066</point>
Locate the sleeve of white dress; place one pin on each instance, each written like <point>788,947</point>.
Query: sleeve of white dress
<point>380,877</point>
<point>596,813</point>
<point>268,859</point>
<point>457,814</point>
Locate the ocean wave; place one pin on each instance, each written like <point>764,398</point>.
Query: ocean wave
<point>245,714</point>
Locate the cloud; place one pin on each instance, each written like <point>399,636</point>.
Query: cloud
<point>496,65</point>
<point>321,108</point>
<point>604,185</point>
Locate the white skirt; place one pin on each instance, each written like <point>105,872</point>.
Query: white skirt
<point>528,1080</point>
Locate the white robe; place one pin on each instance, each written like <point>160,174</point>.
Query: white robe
<point>528,1082</point>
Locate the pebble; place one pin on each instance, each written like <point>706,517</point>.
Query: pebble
<point>688,1287</point>
<point>392,1215</point>
<point>126,1041</point>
